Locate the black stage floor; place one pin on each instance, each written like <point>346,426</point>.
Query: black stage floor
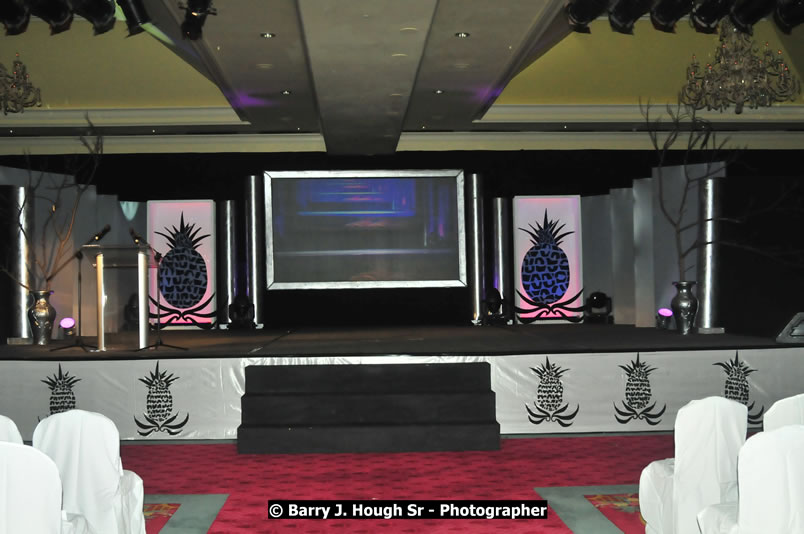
<point>400,340</point>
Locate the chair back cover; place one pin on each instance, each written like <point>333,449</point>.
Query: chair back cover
<point>86,449</point>
<point>708,436</point>
<point>9,431</point>
<point>772,482</point>
<point>30,491</point>
<point>789,411</point>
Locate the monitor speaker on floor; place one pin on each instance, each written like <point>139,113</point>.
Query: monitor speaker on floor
<point>793,332</point>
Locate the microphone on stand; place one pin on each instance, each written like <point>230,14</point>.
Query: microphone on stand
<point>97,237</point>
<point>137,237</point>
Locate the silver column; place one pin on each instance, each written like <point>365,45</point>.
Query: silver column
<point>142,298</point>
<point>502,251</point>
<point>227,260</point>
<point>101,296</point>
<point>708,253</point>
<point>19,252</point>
<point>475,230</point>
<point>255,245</point>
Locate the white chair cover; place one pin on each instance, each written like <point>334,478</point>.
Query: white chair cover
<point>708,436</point>
<point>771,500</point>
<point>86,449</point>
<point>30,494</point>
<point>9,431</point>
<point>789,411</point>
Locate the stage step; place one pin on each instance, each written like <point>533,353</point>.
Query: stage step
<point>368,438</point>
<point>368,378</point>
<point>368,408</point>
<point>372,408</point>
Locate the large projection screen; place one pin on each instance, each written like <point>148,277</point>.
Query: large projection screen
<point>364,229</point>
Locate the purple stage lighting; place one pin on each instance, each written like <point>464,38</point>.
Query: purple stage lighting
<point>68,325</point>
<point>664,317</point>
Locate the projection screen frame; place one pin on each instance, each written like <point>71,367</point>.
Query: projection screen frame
<point>458,175</point>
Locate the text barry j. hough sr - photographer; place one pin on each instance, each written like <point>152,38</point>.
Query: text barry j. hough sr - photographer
<point>282,509</point>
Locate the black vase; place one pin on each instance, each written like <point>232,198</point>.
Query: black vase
<point>41,315</point>
<point>684,306</point>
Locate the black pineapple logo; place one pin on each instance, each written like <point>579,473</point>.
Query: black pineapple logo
<point>62,397</point>
<point>545,274</point>
<point>159,405</point>
<point>182,277</point>
<point>637,395</point>
<point>737,388</point>
<point>549,396</point>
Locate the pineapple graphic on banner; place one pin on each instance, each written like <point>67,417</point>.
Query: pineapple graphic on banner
<point>62,396</point>
<point>182,235</point>
<point>547,249</point>
<point>549,396</point>
<point>638,395</point>
<point>158,415</point>
<point>737,388</point>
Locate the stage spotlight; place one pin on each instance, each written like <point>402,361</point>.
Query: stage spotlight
<point>241,313</point>
<point>57,13</point>
<point>68,326</point>
<point>666,13</point>
<point>598,309</point>
<point>745,13</point>
<point>135,15</point>
<point>15,16</point>
<point>706,14</point>
<point>580,13</point>
<point>788,14</point>
<point>624,13</point>
<point>100,13</point>
<point>195,15</point>
<point>664,318</point>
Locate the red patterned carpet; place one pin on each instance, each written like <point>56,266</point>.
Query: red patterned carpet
<point>510,473</point>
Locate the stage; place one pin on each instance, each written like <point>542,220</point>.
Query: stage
<point>546,378</point>
<point>438,340</point>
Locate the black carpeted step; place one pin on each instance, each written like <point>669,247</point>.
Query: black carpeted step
<point>367,438</point>
<point>368,378</point>
<point>367,408</point>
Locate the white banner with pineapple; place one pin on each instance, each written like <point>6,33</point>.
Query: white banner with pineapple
<point>607,392</point>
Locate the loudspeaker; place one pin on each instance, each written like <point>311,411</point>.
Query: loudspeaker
<point>793,332</point>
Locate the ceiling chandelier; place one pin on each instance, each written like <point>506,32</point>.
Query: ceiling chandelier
<point>739,75</point>
<point>16,90</point>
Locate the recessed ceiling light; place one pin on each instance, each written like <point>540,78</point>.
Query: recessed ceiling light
<point>287,92</point>
<point>439,91</point>
<point>409,29</point>
<point>267,35</point>
<point>462,35</point>
<point>399,55</point>
<point>264,66</point>
<point>461,66</point>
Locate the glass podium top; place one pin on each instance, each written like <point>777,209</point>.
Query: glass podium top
<point>118,255</point>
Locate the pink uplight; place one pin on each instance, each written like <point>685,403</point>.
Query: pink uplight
<point>67,323</point>
<point>665,312</point>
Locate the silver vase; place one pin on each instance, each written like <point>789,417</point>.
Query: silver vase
<point>684,306</point>
<point>41,315</point>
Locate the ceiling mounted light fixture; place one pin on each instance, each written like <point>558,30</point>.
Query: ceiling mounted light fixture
<point>57,14</point>
<point>15,16</point>
<point>580,13</point>
<point>745,13</point>
<point>195,15</point>
<point>624,13</point>
<point>666,13</point>
<point>740,75</point>
<point>100,13</point>
<point>788,14</point>
<point>267,35</point>
<point>16,90</point>
<point>706,14</point>
<point>462,35</point>
<point>135,15</point>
